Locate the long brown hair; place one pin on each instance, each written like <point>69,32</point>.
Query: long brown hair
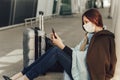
<point>94,16</point>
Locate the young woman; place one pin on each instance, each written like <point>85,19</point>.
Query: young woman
<point>94,58</point>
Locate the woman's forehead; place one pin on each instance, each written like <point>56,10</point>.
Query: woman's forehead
<point>85,19</point>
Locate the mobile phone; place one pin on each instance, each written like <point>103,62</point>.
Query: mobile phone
<point>53,31</point>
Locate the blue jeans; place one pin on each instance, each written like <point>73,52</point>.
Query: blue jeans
<point>45,62</point>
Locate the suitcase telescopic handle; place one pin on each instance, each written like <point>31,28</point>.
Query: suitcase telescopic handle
<point>41,20</point>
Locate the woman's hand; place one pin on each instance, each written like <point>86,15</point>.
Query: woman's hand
<point>57,41</point>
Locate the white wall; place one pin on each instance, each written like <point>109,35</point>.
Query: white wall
<point>46,6</point>
<point>113,4</point>
<point>75,6</point>
<point>78,6</point>
<point>116,24</point>
<point>115,12</point>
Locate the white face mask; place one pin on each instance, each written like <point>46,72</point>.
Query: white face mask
<point>89,27</point>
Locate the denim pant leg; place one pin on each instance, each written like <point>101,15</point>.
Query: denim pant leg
<point>66,61</point>
<point>52,55</point>
<point>26,69</point>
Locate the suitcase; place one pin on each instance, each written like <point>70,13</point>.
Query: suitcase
<point>35,43</point>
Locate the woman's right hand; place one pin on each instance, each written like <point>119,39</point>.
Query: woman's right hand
<point>57,41</point>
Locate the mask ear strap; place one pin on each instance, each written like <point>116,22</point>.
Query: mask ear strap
<point>87,37</point>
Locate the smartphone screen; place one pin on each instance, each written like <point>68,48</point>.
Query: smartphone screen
<point>53,31</point>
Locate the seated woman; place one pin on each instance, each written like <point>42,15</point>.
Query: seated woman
<point>94,58</point>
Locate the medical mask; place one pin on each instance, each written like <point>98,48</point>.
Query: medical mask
<point>89,27</point>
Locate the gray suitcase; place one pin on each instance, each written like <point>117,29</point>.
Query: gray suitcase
<point>33,42</point>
